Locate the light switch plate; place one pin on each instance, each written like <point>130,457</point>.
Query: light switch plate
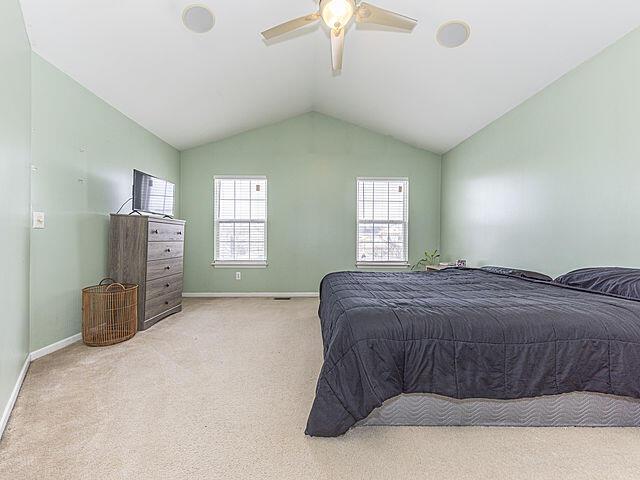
<point>38,219</point>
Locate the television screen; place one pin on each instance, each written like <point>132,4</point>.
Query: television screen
<point>152,194</point>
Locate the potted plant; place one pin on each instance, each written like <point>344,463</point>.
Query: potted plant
<point>430,258</point>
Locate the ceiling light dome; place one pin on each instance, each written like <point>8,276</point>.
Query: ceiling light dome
<point>198,18</point>
<point>337,13</point>
<point>453,34</point>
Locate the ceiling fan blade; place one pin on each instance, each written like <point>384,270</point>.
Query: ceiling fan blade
<point>290,26</point>
<point>367,13</point>
<point>337,48</point>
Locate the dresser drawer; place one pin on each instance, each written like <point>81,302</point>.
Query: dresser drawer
<point>165,232</point>
<point>163,268</point>
<point>162,250</point>
<point>155,306</point>
<point>162,286</point>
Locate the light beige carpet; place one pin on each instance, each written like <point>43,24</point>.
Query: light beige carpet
<point>223,391</point>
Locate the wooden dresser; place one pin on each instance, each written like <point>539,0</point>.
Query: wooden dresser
<point>148,251</point>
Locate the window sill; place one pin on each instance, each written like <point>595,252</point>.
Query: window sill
<point>239,264</point>
<point>382,265</point>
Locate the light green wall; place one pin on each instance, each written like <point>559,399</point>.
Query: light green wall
<point>554,184</point>
<point>15,114</point>
<point>311,163</point>
<point>84,151</point>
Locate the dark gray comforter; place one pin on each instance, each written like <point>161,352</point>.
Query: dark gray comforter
<point>466,333</point>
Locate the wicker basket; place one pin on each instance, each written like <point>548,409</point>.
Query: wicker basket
<point>109,313</point>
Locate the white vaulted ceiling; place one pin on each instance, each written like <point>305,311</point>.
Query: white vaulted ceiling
<point>190,89</point>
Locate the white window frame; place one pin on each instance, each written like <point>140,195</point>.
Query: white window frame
<point>238,263</point>
<point>405,222</point>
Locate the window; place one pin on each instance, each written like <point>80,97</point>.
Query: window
<point>240,221</point>
<point>383,221</point>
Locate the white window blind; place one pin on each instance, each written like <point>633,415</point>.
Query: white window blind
<point>383,221</point>
<point>240,220</point>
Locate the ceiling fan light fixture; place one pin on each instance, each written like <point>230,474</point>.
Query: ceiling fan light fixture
<point>337,13</point>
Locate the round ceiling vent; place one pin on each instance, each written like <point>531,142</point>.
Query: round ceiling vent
<point>453,34</point>
<point>198,18</point>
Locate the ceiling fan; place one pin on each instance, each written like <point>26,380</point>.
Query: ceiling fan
<point>337,14</point>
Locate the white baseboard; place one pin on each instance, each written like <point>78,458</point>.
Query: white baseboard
<point>55,346</point>
<point>250,294</point>
<point>14,396</point>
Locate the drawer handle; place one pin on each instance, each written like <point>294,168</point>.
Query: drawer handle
<point>168,250</point>
<point>167,267</point>
<point>167,285</point>
<point>179,233</point>
<point>154,231</point>
<point>166,302</point>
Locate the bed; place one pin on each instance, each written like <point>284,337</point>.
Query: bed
<point>473,340</point>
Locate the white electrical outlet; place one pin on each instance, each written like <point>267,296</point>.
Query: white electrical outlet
<point>238,276</point>
<point>38,220</point>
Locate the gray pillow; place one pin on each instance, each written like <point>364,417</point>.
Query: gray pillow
<point>622,282</point>
<point>516,272</point>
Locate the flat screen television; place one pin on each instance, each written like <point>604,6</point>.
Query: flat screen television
<point>152,194</point>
